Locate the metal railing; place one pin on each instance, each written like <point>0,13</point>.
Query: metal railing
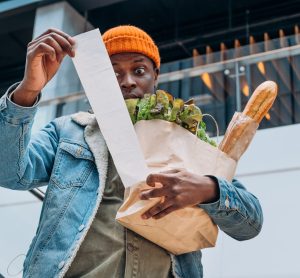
<point>219,66</point>
<point>38,193</point>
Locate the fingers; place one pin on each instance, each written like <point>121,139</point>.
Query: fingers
<point>48,46</point>
<point>153,193</point>
<point>163,178</point>
<point>159,209</point>
<point>43,49</point>
<point>170,180</point>
<point>167,179</point>
<point>172,171</point>
<point>59,32</point>
<point>165,212</point>
<point>57,41</point>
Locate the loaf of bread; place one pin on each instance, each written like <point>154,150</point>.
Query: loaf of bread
<point>242,127</point>
<point>261,101</point>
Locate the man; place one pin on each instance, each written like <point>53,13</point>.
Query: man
<point>77,235</point>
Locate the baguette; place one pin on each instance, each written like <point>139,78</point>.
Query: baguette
<point>241,130</point>
<point>234,132</point>
<point>261,101</point>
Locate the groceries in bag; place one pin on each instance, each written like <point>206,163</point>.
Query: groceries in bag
<point>167,144</point>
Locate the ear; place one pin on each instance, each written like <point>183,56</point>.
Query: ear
<point>156,73</point>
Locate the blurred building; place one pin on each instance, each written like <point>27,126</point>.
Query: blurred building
<point>216,52</point>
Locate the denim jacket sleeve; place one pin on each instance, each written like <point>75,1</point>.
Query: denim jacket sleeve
<point>238,212</point>
<point>24,163</point>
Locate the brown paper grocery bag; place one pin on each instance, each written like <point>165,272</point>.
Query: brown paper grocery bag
<point>167,146</point>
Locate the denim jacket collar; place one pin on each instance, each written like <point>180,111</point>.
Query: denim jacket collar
<point>84,119</point>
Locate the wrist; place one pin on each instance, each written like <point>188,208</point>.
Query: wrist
<point>23,96</point>
<point>212,190</point>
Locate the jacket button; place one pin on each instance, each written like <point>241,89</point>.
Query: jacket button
<point>227,203</point>
<point>81,227</point>
<point>61,264</point>
<point>130,247</point>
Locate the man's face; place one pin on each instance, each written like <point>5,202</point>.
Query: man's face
<point>136,74</point>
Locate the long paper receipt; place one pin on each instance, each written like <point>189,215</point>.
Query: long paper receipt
<point>99,81</point>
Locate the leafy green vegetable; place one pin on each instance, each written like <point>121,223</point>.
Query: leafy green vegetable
<point>176,109</point>
<point>132,108</point>
<point>161,110</point>
<point>162,105</point>
<point>201,133</point>
<point>190,117</point>
<point>143,108</point>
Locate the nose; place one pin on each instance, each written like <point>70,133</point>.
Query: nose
<point>128,82</point>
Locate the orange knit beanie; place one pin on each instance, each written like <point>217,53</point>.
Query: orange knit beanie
<point>127,38</point>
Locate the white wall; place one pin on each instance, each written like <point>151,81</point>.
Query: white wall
<point>19,215</point>
<point>271,170</point>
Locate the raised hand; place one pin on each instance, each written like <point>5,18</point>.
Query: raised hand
<point>44,56</point>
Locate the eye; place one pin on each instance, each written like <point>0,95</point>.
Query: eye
<point>140,71</point>
<point>117,74</point>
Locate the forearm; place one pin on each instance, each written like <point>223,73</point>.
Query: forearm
<point>238,213</point>
<point>15,129</point>
<point>18,161</point>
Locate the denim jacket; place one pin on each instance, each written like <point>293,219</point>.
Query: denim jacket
<point>70,156</point>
